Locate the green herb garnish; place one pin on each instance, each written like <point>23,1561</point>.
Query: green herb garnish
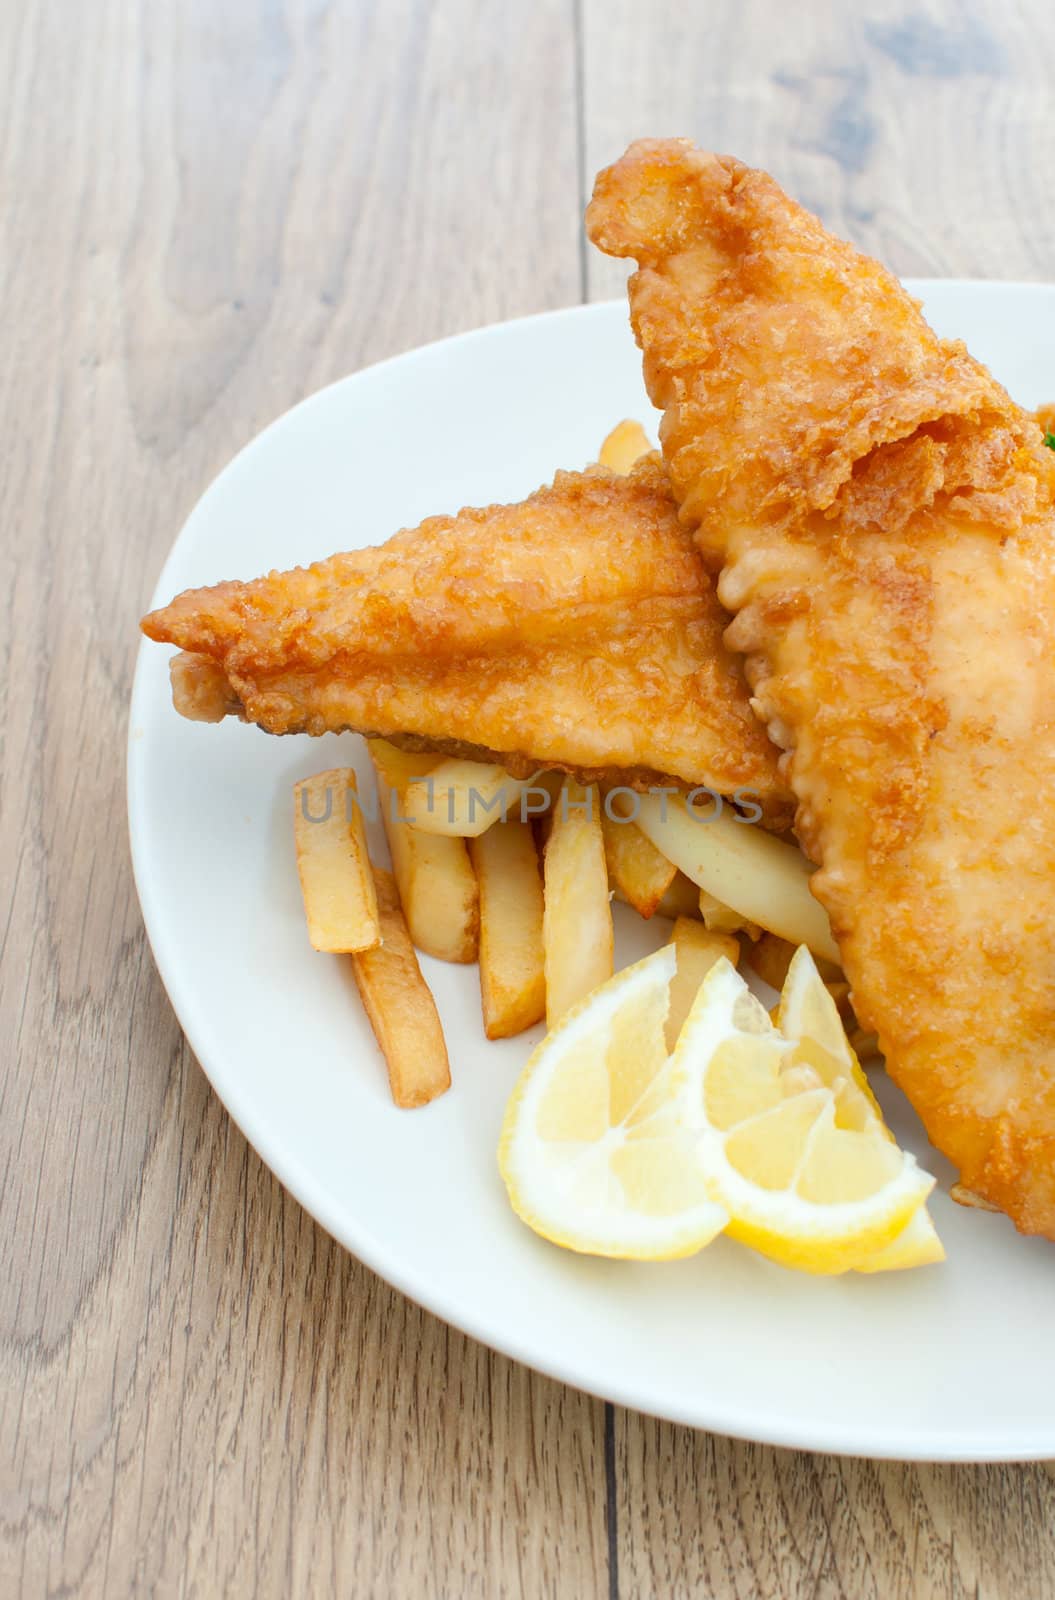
<point>1049,440</point>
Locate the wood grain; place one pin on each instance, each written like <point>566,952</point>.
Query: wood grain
<point>921,131</point>
<point>209,210</point>
<point>203,205</point>
<point>923,134</point>
<point>703,1515</point>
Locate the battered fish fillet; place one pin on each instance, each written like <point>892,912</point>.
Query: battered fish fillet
<point>884,517</point>
<point>577,630</point>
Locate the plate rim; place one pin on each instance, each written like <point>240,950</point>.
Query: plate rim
<point>943,1444</point>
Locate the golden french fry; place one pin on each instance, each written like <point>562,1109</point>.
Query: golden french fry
<point>577,921</point>
<point>437,885</point>
<point>967,1197</point>
<point>512,966</point>
<point>340,901</point>
<point>770,957</point>
<point>682,899</point>
<point>864,1045</point>
<point>764,879</point>
<point>698,948</point>
<point>543,814</point>
<point>462,798</point>
<point>400,767</point>
<point>624,445</point>
<point>635,866</point>
<point>552,782</point>
<point>724,919</point>
<point>400,1006</point>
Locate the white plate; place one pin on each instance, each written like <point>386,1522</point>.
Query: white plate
<point>945,1363</point>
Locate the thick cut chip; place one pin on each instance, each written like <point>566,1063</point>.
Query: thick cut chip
<point>340,901</point>
<point>512,965</point>
<point>400,1006</point>
<point>577,922</point>
<point>437,885</point>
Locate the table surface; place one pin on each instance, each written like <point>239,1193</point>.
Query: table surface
<point>210,209</point>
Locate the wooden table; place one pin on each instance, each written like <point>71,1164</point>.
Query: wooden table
<point>210,208</point>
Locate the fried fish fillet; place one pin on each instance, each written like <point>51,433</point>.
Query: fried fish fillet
<point>884,518</point>
<point>576,630</point>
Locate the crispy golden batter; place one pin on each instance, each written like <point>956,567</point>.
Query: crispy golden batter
<point>884,516</point>
<point>576,630</point>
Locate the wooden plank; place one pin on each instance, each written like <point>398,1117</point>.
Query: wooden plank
<point>699,1514</point>
<point>922,133</point>
<point>210,210</point>
<point>925,136</point>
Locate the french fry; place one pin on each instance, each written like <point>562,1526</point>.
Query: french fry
<point>512,966</point>
<point>340,901</point>
<point>462,798</point>
<point>400,767</point>
<point>635,866</point>
<point>400,1006</point>
<point>967,1197</point>
<point>764,879</point>
<point>698,948</point>
<point>724,919</point>
<point>577,921</point>
<point>543,818</point>
<point>864,1045</point>
<point>682,899</point>
<point>623,446</point>
<point>437,885</point>
<point>552,782</point>
<point>770,957</point>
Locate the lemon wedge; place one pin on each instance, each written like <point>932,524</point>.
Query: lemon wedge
<point>807,1011</point>
<point>791,1140</point>
<point>593,1151</point>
